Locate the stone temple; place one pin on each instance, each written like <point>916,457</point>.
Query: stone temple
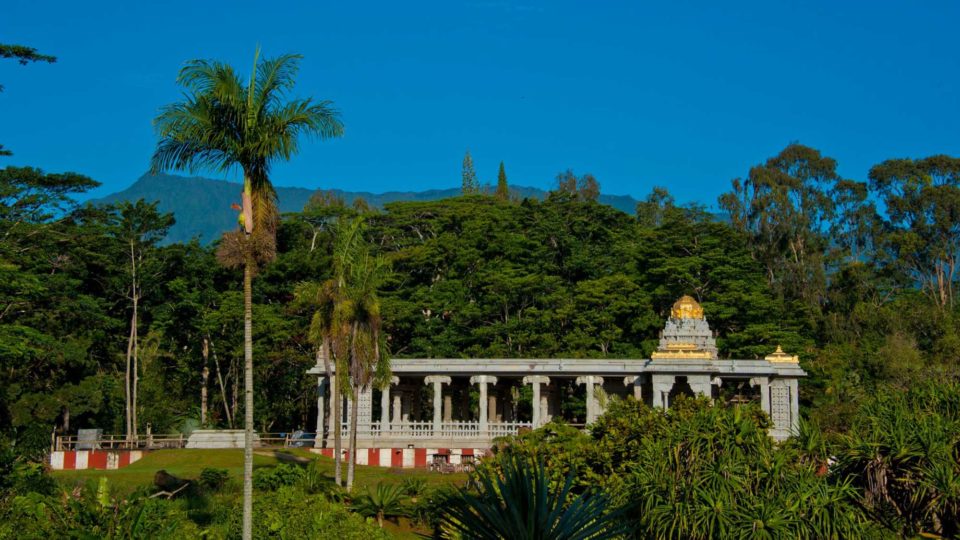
<point>451,409</point>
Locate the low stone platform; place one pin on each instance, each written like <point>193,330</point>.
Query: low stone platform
<point>219,438</point>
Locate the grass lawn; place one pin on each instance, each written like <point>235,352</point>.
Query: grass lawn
<point>187,464</point>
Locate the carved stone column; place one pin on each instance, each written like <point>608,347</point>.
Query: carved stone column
<point>593,406</point>
<point>662,385</point>
<point>784,407</point>
<point>385,405</point>
<point>397,409</point>
<point>700,384</point>
<point>637,382</point>
<point>536,407</point>
<point>764,384</point>
<point>482,381</point>
<point>437,381</point>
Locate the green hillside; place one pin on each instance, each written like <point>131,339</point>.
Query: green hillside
<point>202,205</point>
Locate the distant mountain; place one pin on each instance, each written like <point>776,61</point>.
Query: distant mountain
<point>202,205</point>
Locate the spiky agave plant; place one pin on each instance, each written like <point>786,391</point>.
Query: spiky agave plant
<point>515,501</point>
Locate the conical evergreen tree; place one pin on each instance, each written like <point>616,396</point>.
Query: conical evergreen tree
<point>503,191</point>
<point>470,183</point>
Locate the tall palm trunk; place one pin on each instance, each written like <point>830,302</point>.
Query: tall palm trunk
<point>338,437</point>
<point>335,413</point>
<point>354,409</point>
<point>248,399</point>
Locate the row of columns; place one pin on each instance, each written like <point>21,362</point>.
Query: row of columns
<point>540,403</point>
<point>778,398</point>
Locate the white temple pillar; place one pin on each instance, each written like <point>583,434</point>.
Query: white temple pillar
<point>700,384</point>
<point>385,405</point>
<point>482,381</point>
<point>536,405</point>
<point>397,409</point>
<point>437,381</point>
<point>784,407</point>
<point>448,408</point>
<point>593,406</point>
<point>764,384</point>
<point>636,381</point>
<point>662,385</point>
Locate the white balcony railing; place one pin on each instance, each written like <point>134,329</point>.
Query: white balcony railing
<point>425,430</point>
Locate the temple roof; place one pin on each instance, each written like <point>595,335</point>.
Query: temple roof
<point>686,308</point>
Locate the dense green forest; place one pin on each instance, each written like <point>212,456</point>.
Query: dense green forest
<point>855,277</point>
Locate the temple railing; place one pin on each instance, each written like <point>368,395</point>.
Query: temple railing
<point>426,430</point>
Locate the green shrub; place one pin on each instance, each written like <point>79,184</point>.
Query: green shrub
<point>274,478</point>
<point>213,479</point>
<point>91,513</point>
<point>289,513</point>
<point>316,482</point>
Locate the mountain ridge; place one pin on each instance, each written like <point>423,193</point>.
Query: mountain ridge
<point>201,205</point>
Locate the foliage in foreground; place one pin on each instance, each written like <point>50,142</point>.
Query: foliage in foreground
<point>515,500</point>
<point>698,471</point>
<point>903,453</point>
<point>92,513</point>
<point>290,513</point>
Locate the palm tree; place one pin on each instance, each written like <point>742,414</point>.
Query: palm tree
<point>223,124</point>
<point>323,297</point>
<point>346,325</point>
<point>357,314</point>
<point>383,502</point>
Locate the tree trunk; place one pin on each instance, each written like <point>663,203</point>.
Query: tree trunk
<point>204,375</point>
<point>235,392</point>
<point>248,400</point>
<point>136,366</point>
<point>133,350</point>
<point>354,409</point>
<point>335,413</point>
<point>126,384</point>
<point>223,388</point>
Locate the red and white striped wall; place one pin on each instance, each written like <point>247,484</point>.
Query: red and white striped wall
<point>403,457</point>
<point>69,460</point>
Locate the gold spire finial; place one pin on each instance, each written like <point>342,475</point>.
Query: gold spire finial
<point>686,308</point>
<point>780,356</point>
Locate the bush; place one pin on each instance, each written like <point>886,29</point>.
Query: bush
<point>213,479</point>
<point>316,482</point>
<point>91,513</point>
<point>276,477</point>
<point>288,513</point>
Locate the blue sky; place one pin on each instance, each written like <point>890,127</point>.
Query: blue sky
<point>681,94</point>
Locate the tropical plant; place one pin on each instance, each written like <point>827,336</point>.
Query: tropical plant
<point>387,500</point>
<point>515,500</point>
<point>289,514</point>
<point>347,324</point>
<point>224,124</point>
<point>414,487</point>
<point>213,479</point>
<point>903,454</point>
<point>273,478</point>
